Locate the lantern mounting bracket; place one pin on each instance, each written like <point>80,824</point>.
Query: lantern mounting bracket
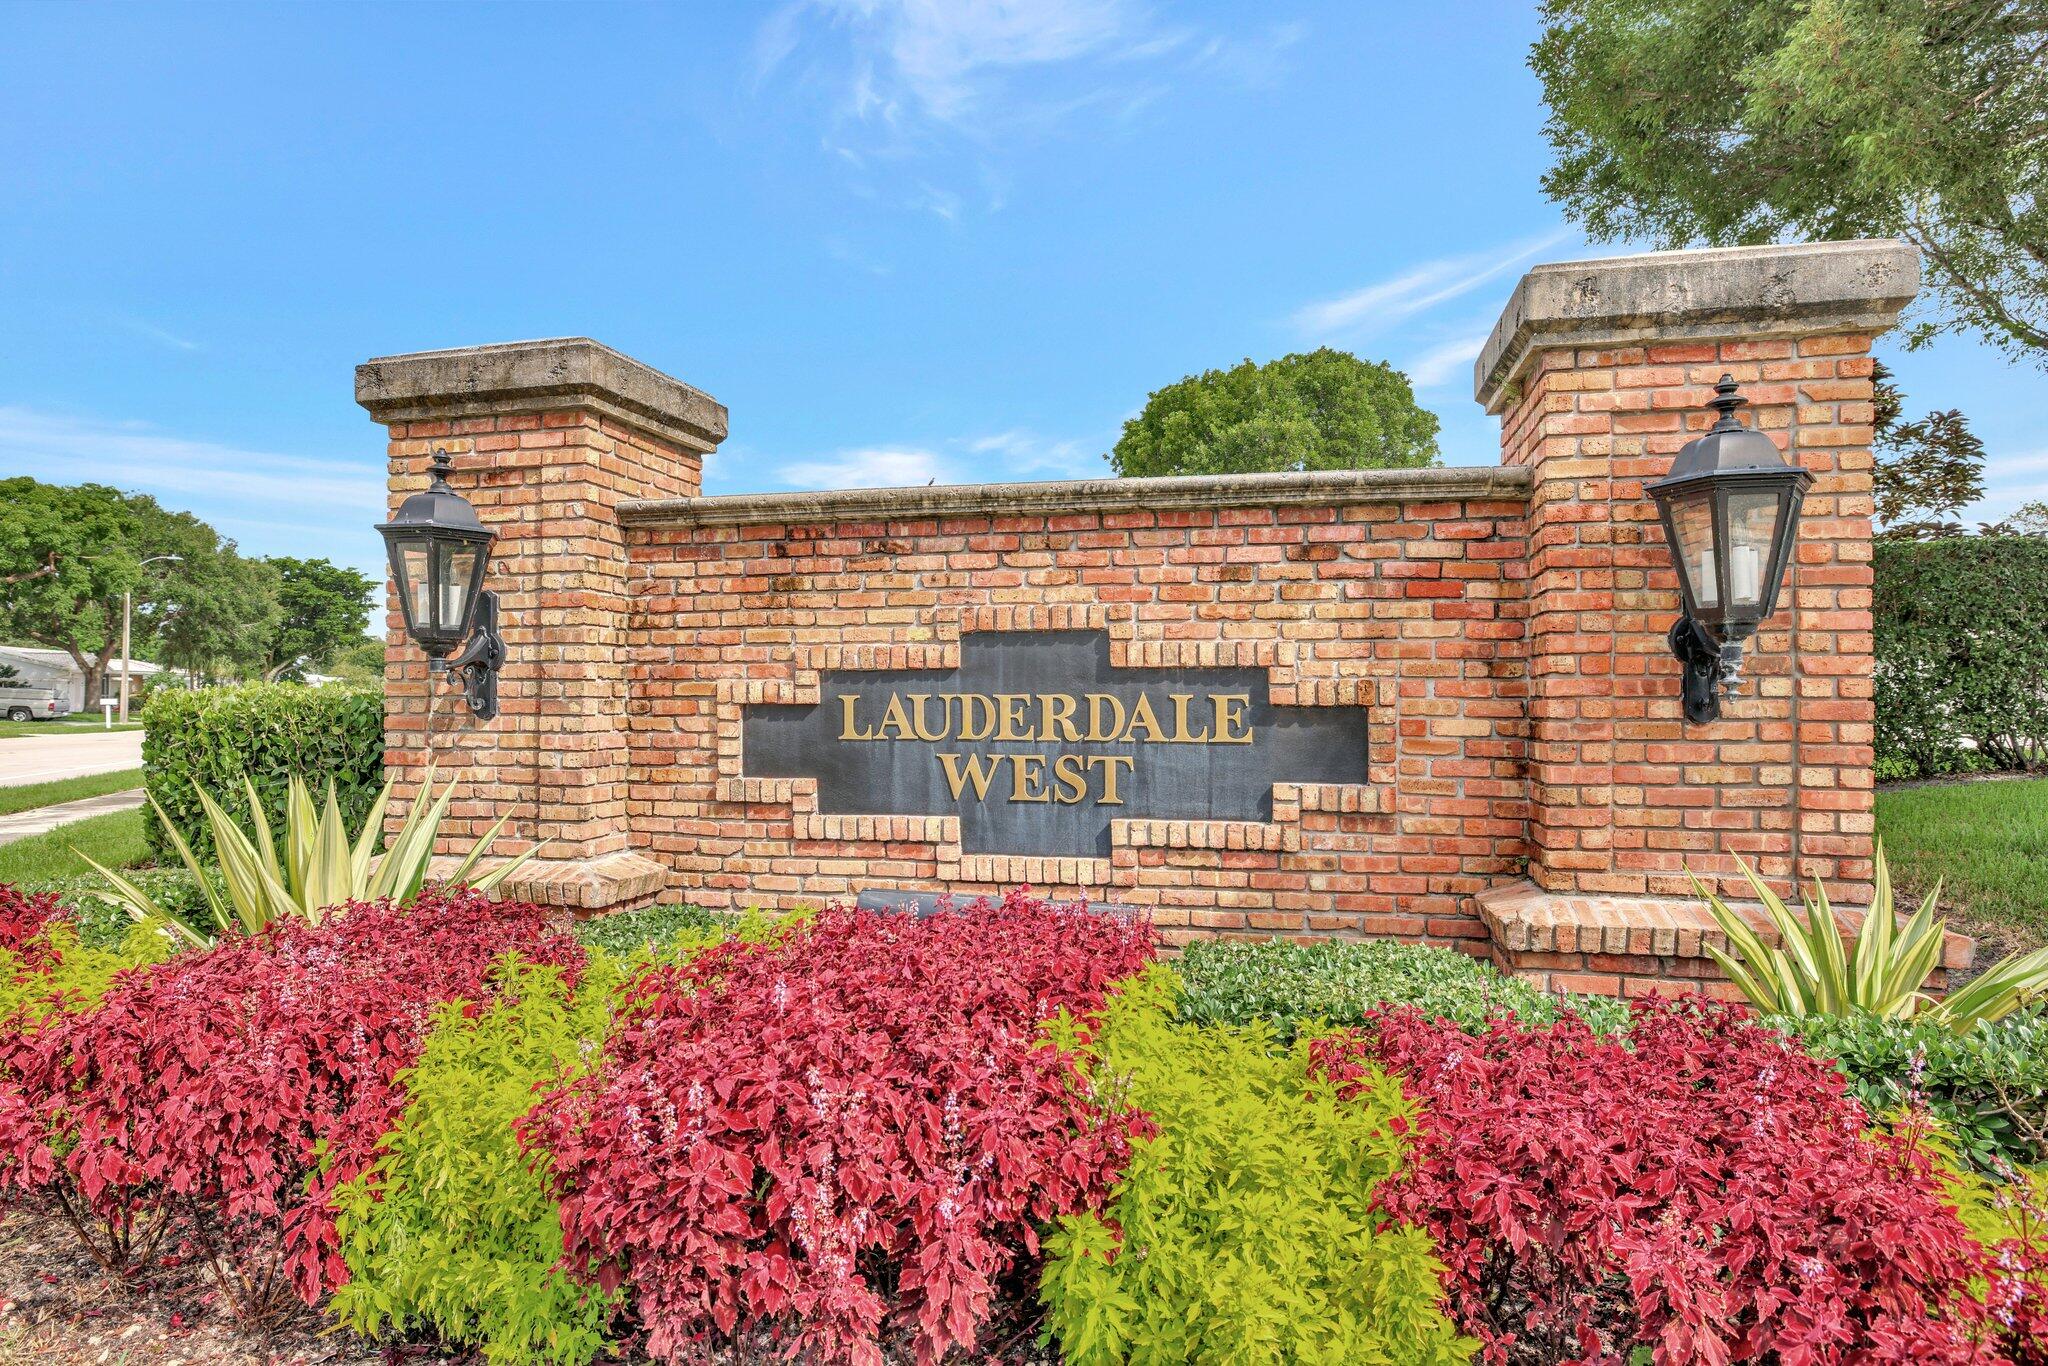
<point>1710,670</point>
<point>476,665</point>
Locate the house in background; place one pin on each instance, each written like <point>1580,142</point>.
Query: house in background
<point>39,667</point>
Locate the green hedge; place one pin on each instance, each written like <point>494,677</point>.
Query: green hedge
<point>1962,654</point>
<point>212,737</point>
<point>1988,1086</point>
<point>1290,984</point>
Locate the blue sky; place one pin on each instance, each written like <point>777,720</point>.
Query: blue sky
<point>901,241</point>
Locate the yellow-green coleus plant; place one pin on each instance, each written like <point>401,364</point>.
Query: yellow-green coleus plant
<point>1243,1229</point>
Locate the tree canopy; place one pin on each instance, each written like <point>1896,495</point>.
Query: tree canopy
<point>1324,410</point>
<point>1729,122</point>
<point>323,611</point>
<point>67,554</point>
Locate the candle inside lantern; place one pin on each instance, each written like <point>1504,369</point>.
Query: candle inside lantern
<point>1745,572</point>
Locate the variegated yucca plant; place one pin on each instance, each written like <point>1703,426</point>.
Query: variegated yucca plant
<point>1816,970</point>
<point>315,867</point>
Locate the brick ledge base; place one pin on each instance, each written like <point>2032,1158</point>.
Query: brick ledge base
<point>1631,946</point>
<point>613,882</point>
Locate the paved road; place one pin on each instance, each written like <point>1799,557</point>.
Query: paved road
<point>46,758</point>
<point>22,824</point>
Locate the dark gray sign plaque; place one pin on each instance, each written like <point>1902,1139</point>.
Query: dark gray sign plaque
<point>1037,743</point>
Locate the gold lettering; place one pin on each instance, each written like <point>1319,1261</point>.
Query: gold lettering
<point>1070,774</point>
<point>1229,708</point>
<point>1142,714</point>
<point>1056,718</point>
<point>980,771</point>
<point>967,730</point>
<point>1010,708</point>
<point>1181,735</point>
<point>1025,771</point>
<point>892,715</point>
<point>919,725</point>
<point>1096,730</point>
<point>1109,763</point>
<point>847,702</point>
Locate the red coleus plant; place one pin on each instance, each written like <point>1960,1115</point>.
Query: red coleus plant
<point>851,1131</point>
<point>1701,1187</point>
<point>235,1087</point>
<point>22,918</point>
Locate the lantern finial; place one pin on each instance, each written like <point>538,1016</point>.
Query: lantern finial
<point>1725,401</point>
<point>444,465</point>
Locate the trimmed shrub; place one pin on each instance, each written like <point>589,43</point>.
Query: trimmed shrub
<point>1987,1086</point>
<point>1292,984</point>
<point>90,903</point>
<point>626,933</point>
<point>1702,1190</point>
<point>212,738</point>
<point>1962,653</point>
<point>849,1132</point>
<point>1243,1229</point>
<point>235,1087</point>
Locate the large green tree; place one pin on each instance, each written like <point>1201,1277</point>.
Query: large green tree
<point>324,609</point>
<point>67,554</point>
<point>1726,122</point>
<point>1326,410</point>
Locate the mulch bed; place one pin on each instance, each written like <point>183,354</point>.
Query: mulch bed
<point>58,1308</point>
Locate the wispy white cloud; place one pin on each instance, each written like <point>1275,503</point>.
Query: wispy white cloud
<point>64,449</point>
<point>1446,362</point>
<point>942,204</point>
<point>840,249</point>
<point>1027,453</point>
<point>869,468</point>
<point>2010,481</point>
<point>923,81</point>
<point>997,456</point>
<point>1414,290</point>
<point>151,332</point>
<point>939,58</point>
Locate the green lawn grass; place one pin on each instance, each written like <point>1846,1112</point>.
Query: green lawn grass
<point>67,726</point>
<point>114,840</point>
<point>30,796</point>
<point>1987,843</point>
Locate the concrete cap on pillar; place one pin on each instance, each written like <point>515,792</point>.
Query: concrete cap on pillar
<point>1668,296</point>
<point>539,376</point>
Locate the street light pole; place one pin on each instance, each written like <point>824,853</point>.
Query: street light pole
<point>127,619</point>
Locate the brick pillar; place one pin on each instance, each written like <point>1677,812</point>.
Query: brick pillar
<point>1599,370</point>
<point>549,437</point>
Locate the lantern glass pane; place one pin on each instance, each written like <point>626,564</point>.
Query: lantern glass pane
<point>1692,524</point>
<point>1752,527</point>
<point>454,570</point>
<point>410,560</point>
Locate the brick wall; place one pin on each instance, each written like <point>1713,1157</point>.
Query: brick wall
<point>1533,790</point>
<point>1414,610</point>
<point>1628,796</point>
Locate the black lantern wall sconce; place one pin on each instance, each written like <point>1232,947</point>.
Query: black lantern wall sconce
<point>439,551</point>
<point>1731,513</point>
